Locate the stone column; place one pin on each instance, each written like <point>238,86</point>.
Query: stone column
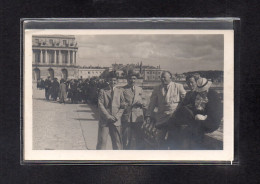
<point>60,59</point>
<point>33,56</point>
<point>46,57</point>
<point>41,61</point>
<point>68,57</point>
<point>55,57</point>
<point>73,57</point>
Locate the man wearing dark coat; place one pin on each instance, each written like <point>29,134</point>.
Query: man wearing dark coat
<point>200,114</point>
<point>55,89</point>
<point>42,84</point>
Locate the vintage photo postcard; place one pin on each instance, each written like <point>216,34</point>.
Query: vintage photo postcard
<point>128,95</point>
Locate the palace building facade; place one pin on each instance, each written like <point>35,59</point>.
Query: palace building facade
<point>54,56</point>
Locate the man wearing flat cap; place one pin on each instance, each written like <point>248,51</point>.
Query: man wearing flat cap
<point>133,117</point>
<point>110,105</point>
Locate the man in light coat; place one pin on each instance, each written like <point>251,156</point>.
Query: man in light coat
<point>133,117</point>
<point>63,91</point>
<point>166,97</point>
<point>110,101</point>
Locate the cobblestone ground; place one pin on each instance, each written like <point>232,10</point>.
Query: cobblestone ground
<point>63,127</point>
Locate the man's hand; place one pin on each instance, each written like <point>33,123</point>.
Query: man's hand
<point>148,119</point>
<point>138,104</point>
<point>200,117</point>
<point>112,119</point>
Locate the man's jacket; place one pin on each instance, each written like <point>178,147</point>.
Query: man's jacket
<point>110,103</point>
<point>165,101</point>
<point>133,100</point>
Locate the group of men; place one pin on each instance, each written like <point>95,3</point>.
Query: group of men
<point>181,118</point>
<point>52,88</point>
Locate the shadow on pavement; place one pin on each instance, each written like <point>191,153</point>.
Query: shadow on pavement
<point>40,99</point>
<point>83,111</point>
<point>93,108</point>
<point>85,119</point>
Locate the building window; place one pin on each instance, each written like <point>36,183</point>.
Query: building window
<point>37,41</point>
<point>88,72</point>
<point>52,57</point>
<point>64,58</point>
<point>37,57</point>
<point>51,41</point>
<point>64,42</point>
<point>44,57</point>
<point>147,72</point>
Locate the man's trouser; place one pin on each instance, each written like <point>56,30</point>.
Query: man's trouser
<point>133,138</point>
<point>47,93</point>
<point>185,133</point>
<point>115,134</point>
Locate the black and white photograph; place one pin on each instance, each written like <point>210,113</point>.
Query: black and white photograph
<point>128,95</point>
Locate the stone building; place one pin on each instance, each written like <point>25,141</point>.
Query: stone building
<point>88,72</point>
<point>54,56</point>
<point>152,73</point>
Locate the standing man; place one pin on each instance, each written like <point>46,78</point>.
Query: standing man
<point>47,86</point>
<point>63,91</point>
<point>55,89</point>
<point>110,102</point>
<point>133,117</point>
<point>166,97</point>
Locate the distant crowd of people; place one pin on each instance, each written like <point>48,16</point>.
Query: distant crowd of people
<point>73,90</point>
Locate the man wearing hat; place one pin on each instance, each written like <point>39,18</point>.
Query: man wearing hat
<point>201,115</point>
<point>133,117</point>
<point>110,105</point>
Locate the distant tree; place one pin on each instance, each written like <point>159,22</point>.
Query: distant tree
<point>214,75</point>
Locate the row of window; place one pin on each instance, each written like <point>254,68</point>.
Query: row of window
<point>51,58</point>
<point>153,72</point>
<point>92,72</point>
<point>153,77</point>
<point>37,41</point>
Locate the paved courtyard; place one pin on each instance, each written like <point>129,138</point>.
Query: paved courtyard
<point>63,127</point>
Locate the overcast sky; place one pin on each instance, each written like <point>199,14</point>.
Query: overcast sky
<point>177,53</point>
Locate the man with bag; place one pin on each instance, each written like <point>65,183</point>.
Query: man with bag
<point>133,117</point>
<point>166,97</point>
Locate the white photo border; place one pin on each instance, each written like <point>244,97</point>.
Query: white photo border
<point>227,154</point>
